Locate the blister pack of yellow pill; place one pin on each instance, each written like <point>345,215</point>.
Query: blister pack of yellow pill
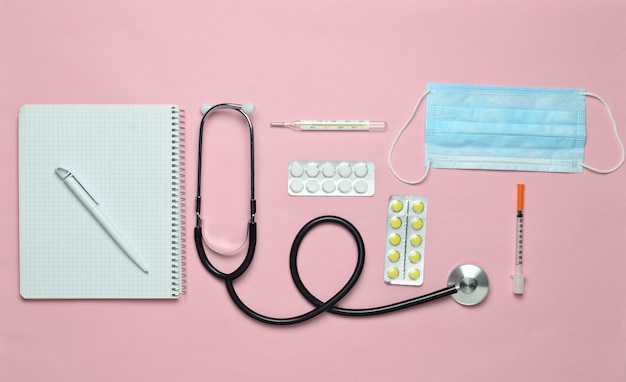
<point>406,240</point>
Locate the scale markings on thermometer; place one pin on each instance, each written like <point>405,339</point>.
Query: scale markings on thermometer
<point>333,125</point>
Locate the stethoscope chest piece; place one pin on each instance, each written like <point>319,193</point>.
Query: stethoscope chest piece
<point>472,284</point>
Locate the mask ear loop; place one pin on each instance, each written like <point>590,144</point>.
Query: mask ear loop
<point>395,141</point>
<point>619,140</point>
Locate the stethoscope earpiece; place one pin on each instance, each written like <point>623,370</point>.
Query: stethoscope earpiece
<point>247,107</point>
<point>205,107</point>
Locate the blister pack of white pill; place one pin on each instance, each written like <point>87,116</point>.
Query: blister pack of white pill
<point>406,239</point>
<point>331,178</point>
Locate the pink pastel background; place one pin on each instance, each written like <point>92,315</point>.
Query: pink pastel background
<point>324,60</point>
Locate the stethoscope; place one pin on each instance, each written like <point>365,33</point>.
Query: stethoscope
<point>467,284</point>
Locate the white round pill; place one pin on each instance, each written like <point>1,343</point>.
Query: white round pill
<point>344,170</point>
<point>312,186</point>
<point>329,186</point>
<point>296,169</point>
<point>360,170</point>
<point>296,185</point>
<point>360,186</point>
<point>345,186</point>
<point>328,170</point>
<point>312,170</point>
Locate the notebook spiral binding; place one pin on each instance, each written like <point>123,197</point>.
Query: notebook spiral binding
<point>179,282</point>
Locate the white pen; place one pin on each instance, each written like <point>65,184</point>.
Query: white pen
<point>92,206</point>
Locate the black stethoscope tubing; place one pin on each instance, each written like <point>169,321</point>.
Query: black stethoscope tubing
<point>319,305</point>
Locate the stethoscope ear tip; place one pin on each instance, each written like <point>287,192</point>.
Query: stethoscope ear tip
<point>205,107</point>
<point>247,108</point>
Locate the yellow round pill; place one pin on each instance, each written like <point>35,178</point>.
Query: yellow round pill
<point>397,205</point>
<point>418,207</point>
<point>395,222</point>
<point>415,257</point>
<point>393,272</point>
<point>414,273</point>
<point>417,224</point>
<point>416,240</point>
<point>393,255</point>
<point>394,239</point>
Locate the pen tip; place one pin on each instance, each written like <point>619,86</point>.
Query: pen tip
<point>62,173</point>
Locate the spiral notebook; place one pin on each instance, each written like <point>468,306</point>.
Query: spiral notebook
<point>129,158</point>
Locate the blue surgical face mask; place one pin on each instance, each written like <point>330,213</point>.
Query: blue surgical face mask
<point>505,128</point>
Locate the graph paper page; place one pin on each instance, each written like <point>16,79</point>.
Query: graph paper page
<point>126,156</point>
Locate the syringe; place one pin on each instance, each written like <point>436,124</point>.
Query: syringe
<point>518,277</point>
<point>335,125</point>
